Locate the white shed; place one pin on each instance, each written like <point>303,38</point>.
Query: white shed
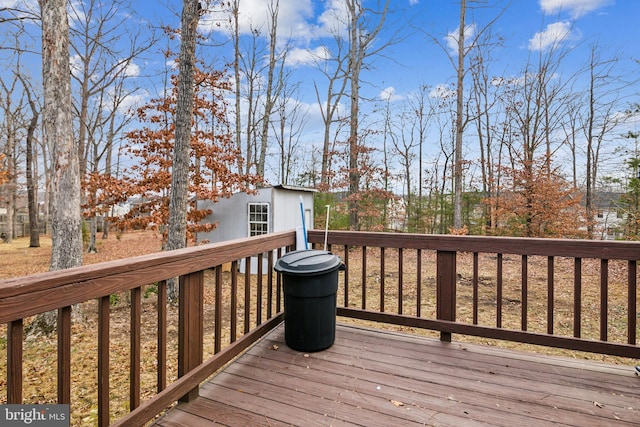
<point>271,209</point>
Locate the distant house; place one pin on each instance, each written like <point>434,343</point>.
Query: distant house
<point>609,217</point>
<point>271,209</point>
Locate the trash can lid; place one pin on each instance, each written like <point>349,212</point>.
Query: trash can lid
<point>307,262</point>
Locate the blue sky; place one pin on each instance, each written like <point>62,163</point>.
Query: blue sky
<point>525,27</point>
<point>422,29</point>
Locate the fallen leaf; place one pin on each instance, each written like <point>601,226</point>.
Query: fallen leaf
<point>275,347</point>
<point>397,403</point>
<point>599,405</point>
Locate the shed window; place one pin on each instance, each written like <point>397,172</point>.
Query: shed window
<point>258,219</point>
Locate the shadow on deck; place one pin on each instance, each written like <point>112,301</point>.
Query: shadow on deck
<point>380,378</point>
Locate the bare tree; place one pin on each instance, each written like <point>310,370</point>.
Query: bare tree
<point>11,128</point>
<point>361,33</point>
<point>287,129</point>
<point>178,202</point>
<point>337,79</point>
<point>600,117</point>
<point>32,194</point>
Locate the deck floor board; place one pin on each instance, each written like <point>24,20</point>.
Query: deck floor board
<point>380,378</point>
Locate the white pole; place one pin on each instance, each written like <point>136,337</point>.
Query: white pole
<point>326,228</point>
<point>304,226</point>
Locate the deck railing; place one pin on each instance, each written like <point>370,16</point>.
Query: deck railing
<point>481,286</point>
<point>61,290</point>
<point>495,287</point>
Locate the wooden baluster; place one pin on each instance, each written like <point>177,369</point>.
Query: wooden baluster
<point>364,278</point>
<point>474,284</point>
<point>550,294</point>
<point>632,311</point>
<point>269,284</point>
<point>346,275</point>
<point>400,279</point>
<point>577,297</point>
<point>278,286</point>
<point>64,355</point>
<point>247,294</point>
<point>190,326</point>
<point>234,301</point>
<point>419,282</point>
<point>382,279</point>
<point>104,308</point>
<point>134,356</point>
<point>499,292</point>
<point>259,290</point>
<point>524,296</point>
<point>162,335</point>
<point>604,298</point>
<point>217,326</point>
<point>14,361</point>
<point>446,289</point>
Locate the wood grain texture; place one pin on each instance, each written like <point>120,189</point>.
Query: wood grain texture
<point>378,378</point>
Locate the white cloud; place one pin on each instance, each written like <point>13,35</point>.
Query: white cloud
<point>576,8</point>
<point>553,35</point>
<point>293,17</point>
<point>300,56</point>
<point>132,102</point>
<point>442,91</point>
<point>389,94</point>
<point>334,19</point>
<point>452,37</point>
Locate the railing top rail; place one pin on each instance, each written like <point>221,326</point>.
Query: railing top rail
<point>29,295</point>
<point>576,248</point>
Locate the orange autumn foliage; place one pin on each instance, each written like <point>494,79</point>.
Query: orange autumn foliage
<point>212,171</point>
<point>536,202</point>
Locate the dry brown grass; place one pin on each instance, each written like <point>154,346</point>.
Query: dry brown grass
<point>40,351</point>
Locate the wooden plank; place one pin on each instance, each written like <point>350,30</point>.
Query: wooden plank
<point>610,249</point>
<point>38,293</point>
<point>380,378</point>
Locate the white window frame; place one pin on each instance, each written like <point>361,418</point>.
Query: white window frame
<point>258,226</point>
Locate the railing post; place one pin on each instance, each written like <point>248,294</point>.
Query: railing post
<point>446,289</point>
<point>190,326</point>
<point>14,362</point>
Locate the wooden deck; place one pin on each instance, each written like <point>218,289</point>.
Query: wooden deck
<point>377,378</point>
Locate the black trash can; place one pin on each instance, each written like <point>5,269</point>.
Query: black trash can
<point>310,281</point>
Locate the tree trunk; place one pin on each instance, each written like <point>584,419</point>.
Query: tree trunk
<point>457,168</point>
<point>34,231</point>
<point>184,111</point>
<point>66,251</point>
<point>66,230</point>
